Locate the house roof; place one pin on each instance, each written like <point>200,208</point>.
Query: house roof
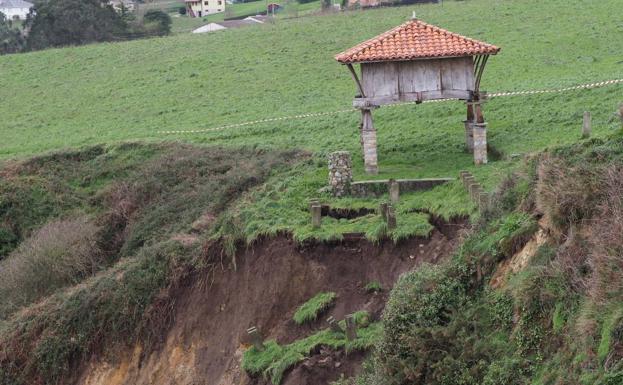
<point>414,40</point>
<point>15,4</point>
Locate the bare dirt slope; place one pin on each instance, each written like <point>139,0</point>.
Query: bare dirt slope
<point>273,278</point>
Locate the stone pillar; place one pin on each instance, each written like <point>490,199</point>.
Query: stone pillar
<point>480,143</point>
<point>469,135</point>
<point>368,136</point>
<point>340,173</point>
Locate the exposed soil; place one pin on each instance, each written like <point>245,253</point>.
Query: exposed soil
<point>273,278</point>
<point>345,213</point>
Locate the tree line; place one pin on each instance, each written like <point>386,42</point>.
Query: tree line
<point>57,23</point>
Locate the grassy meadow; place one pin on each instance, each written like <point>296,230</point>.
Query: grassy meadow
<point>135,90</point>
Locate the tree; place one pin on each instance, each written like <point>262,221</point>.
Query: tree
<point>157,22</point>
<point>54,23</point>
<point>11,39</point>
<point>182,11</point>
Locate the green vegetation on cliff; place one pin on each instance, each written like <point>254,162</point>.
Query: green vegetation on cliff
<point>556,320</point>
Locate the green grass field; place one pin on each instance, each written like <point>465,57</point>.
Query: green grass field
<point>135,90</point>
<point>132,90</point>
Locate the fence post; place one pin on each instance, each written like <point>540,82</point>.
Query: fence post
<point>586,125</point>
<point>391,217</point>
<point>394,191</point>
<point>334,325</point>
<point>383,210</point>
<point>351,328</point>
<point>256,339</point>
<point>316,214</point>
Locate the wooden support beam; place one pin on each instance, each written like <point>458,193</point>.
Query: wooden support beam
<point>376,101</point>
<point>353,73</point>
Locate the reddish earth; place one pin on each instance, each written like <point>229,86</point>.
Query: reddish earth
<point>273,277</point>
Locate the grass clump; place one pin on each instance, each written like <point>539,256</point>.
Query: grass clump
<point>310,310</point>
<point>373,287</point>
<point>276,359</point>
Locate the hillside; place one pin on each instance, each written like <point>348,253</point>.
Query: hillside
<point>135,252</point>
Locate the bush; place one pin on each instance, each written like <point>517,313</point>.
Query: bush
<point>157,22</point>
<point>61,253</point>
<point>57,23</point>
<point>182,11</point>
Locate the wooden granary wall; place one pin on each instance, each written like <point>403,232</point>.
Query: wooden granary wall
<point>387,82</point>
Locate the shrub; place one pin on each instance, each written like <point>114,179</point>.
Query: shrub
<point>311,309</point>
<point>61,253</point>
<point>157,22</point>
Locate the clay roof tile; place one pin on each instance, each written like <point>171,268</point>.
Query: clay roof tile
<point>414,40</point>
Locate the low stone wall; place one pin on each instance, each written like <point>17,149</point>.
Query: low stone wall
<point>376,188</point>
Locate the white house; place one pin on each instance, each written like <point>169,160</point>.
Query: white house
<point>200,8</point>
<point>219,25</point>
<point>15,9</point>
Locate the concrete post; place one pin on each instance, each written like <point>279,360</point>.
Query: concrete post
<point>256,339</point>
<point>480,143</point>
<point>469,135</point>
<point>383,210</point>
<point>368,135</point>
<point>316,214</point>
<point>463,174</point>
<point>351,328</point>
<point>586,125</point>
<point>474,189</point>
<point>483,201</point>
<point>334,325</point>
<point>467,181</point>
<point>313,201</point>
<point>394,191</point>
<point>391,218</point>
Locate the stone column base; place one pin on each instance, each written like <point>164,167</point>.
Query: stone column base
<point>369,151</point>
<point>469,135</point>
<point>480,143</point>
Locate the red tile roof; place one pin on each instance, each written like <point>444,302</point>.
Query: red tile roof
<point>415,40</point>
